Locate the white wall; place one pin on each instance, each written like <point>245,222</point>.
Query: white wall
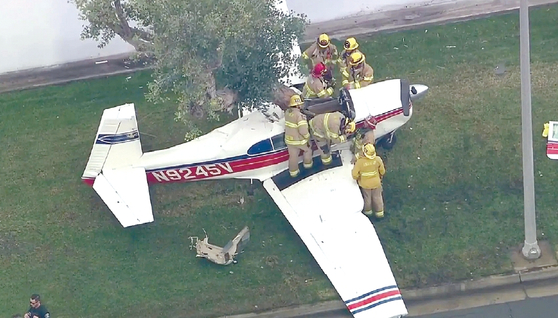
<point>37,33</point>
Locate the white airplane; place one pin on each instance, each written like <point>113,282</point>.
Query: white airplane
<point>322,204</point>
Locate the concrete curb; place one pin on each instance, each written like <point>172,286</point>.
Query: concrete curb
<point>468,287</point>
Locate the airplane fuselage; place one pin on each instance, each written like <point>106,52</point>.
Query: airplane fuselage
<point>253,147</point>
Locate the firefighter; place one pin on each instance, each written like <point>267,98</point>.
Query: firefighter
<point>330,128</point>
<point>316,85</point>
<point>297,136</point>
<point>364,136</point>
<point>369,171</point>
<point>359,73</point>
<point>350,46</point>
<point>322,51</point>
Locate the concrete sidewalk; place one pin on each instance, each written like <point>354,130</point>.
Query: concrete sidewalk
<point>455,10</point>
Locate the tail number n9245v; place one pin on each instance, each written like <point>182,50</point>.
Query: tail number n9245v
<point>199,172</point>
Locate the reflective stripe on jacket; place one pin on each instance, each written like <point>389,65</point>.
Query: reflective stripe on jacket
<point>296,127</point>
<point>327,56</point>
<point>328,126</point>
<point>360,77</point>
<point>343,62</point>
<point>367,172</point>
<point>316,87</point>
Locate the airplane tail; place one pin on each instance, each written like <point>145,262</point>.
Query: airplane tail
<point>117,143</point>
<point>110,169</point>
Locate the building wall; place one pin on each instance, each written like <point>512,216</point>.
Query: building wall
<point>39,33</point>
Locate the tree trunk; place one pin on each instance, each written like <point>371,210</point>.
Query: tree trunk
<point>228,98</point>
<point>141,40</point>
<point>282,96</point>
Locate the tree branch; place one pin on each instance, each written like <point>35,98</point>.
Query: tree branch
<point>122,18</point>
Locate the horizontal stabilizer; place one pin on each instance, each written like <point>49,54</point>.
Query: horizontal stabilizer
<point>126,193</point>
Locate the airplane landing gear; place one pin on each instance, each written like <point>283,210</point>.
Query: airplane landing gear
<point>388,141</point>
<point>250,191</point>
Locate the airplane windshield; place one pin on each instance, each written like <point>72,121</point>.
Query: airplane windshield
<point>554,135</point>
<point>260,147</point>
<point>279,141</point>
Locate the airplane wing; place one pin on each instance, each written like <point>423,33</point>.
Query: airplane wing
<point>325,208</point>
<point>126,193</point>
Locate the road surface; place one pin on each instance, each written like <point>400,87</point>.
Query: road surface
<point>545,307</point>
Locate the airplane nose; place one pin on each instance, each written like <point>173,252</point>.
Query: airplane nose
<point>418,91</point>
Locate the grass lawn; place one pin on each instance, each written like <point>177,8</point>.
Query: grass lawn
<point>451,215</point>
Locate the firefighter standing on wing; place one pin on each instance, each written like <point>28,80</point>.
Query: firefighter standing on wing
<point>350,46</point>
<point>297,136</point>
<point>316,85</point>
<point>368,171</point>
<point>330,128</point>
<point>358,74</point>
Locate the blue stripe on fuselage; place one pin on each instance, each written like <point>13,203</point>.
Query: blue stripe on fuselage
<point>113,139</point>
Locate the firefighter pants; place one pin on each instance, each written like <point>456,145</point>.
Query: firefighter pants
<point>294,152</point>
<point>324,147</point>
<point>373,199</point>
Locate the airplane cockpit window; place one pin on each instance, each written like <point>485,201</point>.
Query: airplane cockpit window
<point>279,141</point>
<point>554,132</point>
<point>260,147</point>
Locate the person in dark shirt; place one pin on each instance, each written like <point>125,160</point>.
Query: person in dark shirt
<point>36,308</point>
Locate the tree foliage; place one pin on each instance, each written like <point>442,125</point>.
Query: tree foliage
<point>208,53</point>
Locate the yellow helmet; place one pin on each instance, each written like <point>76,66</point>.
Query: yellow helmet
<point>369,151</point>
<point>323,40</point>
<point>350,44</point>
<point>356,58</point>
<point>295,101</point>
<point>348,126</point>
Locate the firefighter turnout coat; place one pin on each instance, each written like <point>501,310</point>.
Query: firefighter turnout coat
<point>358,77</point>
<point>328,127</point>
<point>368,172</point>
<point>316,54</point>
<point>343,61</point>
<point>296,128</point>
<point>316,87</point>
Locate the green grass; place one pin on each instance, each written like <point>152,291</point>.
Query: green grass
<point>451,215</point>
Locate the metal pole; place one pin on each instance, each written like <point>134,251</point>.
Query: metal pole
<point>531,249</point>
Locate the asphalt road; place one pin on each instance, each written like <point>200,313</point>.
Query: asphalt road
<point>544,307</point>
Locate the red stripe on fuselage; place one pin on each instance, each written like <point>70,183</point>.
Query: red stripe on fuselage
<point>552,148</point>
<point>372,299</point>
<point>206,171</point>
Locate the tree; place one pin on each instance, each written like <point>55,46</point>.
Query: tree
<point>208,54</point>
<point>109,18</point>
